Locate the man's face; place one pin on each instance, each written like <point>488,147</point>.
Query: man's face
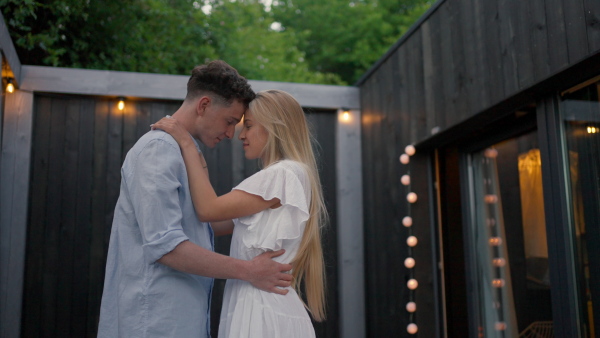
<point>218,122</point>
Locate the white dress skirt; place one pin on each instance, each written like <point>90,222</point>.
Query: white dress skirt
<point>248,312</point>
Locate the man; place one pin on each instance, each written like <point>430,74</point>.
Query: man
<point>160,265</point>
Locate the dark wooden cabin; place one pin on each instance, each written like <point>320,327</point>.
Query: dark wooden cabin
<point>507,239</point>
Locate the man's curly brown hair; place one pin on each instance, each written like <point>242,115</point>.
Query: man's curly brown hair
<point>219,78</point>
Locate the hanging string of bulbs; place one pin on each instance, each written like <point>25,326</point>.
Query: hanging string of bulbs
<point>411,240</point>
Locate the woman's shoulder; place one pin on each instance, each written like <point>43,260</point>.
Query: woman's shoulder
<point>296,167</point>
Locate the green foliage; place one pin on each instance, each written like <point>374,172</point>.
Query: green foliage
<point>347,37</point>
<point>330,42</point>
<point>256,50</point>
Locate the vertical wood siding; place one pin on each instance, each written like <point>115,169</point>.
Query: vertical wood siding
<point>79,144</point>
<point>466,57</point>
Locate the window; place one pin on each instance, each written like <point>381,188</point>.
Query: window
<point>508,250</point>
<point>581,113</point>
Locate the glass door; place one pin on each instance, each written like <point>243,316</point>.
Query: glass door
<point>508,253</point>
<point>580,110</point>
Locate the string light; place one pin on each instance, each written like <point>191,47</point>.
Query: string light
<point>411,240</point>
<point>499,262</point>
<point>498,283</point>
<point>495,241</point>
<point>405,179</point>
<point>412,284</point>
<point>490,153</point>
<point>412,328</point>
<point>491,199</point>
<point>500,326</point>
<point>593,130</point>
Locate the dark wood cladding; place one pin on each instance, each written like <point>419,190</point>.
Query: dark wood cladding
<point>79,144</point>
<point>461,60</point>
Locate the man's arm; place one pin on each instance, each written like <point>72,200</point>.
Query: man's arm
<point>222,228</point>
<point>262,271</point>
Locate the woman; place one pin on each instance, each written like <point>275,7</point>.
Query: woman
<point>281,206</point>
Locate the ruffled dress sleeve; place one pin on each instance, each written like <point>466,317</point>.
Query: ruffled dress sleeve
<point>287,181</point>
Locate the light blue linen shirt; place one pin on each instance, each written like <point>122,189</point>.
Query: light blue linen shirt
<point>154,213</point>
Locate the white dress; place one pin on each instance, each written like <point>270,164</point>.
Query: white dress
<point>247,311</point>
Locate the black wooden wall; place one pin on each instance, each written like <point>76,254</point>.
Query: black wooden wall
<point>79,144</point>
<point>464,58</point>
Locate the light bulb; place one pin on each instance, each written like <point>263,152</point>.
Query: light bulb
<point>499,262</point>
<point>412,241</point>
<point>498,283</point>
<point>407,221</point>
<point>409,262</point>
<point>346,116</point>
<point>10,87</point>
<point>404,159</point>
<point>121,104</point>
<point>411,306</point>
<point>495,241</point>
<point>410,150</point>
<point>405,179</point>
<point>500,326</point>
<point>412,284</point>
<point>490,199</point>
<point>490,153</point>
<point>412,328</point>
<point>411,197</point>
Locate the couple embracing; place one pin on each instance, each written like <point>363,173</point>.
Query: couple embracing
<point>161,264</point>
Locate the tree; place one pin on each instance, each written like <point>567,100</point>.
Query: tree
<point>346,37</point>
<point>330,42</point>
<point>241,32</point>
<point>163,36</point>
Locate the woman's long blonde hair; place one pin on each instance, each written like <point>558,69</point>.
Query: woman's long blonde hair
<point>289,138</point>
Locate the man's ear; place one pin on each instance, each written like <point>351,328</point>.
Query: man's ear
<point>202,104</point>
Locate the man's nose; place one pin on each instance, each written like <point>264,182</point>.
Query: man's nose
<point>230,132</point>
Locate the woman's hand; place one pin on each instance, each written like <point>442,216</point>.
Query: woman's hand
<point>171,126</point>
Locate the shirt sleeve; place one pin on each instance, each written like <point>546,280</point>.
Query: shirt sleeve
<point>268,229</point>
<point>154,188</point>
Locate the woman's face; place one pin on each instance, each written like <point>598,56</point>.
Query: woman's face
<point>254,136</point>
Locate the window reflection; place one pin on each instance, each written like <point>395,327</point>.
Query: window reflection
<point>581,110</point>
<point>509,234</point>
